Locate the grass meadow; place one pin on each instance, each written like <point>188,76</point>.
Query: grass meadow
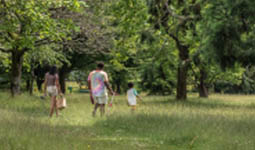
<point>222,122</point>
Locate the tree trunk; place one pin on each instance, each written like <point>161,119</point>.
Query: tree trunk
<point>62,76</point>
<point>27,84</point>
<point>203,91</point>
<point>182,72</point>
<point>182,83</point>
<point>118,88</point>
<point>39,83</point>
<point>32,81</point>
<point>63,72</point>
<point>16,72</point>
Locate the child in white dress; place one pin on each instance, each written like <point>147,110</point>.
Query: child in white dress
<point>131,96</point>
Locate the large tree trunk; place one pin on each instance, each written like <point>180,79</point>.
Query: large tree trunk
<point>39,83</point>
<point>16,71</point>
<point>182,72</point>
<point>28,85</point>
<point>203,91</point>
<point>182,83</point>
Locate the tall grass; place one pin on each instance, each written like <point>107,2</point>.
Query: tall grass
<point>222,122</point>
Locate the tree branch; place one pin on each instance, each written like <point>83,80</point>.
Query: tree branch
<point>4,50</point>
<point>43,42</point>
<point>179,17</point>
<point>196,77</point>
<point>58,8</point>
<point>174,37</point>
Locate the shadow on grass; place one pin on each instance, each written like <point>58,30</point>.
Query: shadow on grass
<point>175,130</point>
<point>139,131</point>
<point>167,130</point>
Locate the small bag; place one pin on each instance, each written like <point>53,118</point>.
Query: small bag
<point>110,104</point>
<point>61,103</point>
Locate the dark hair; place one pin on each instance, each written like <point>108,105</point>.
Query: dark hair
<point>130,84</point>
<point>100,65</point>
<point>53,70</point>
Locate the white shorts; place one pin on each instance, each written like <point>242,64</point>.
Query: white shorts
<point>52,90</point>
<point>101,100</point>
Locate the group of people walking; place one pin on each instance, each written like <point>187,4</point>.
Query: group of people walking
<point>98,83</point>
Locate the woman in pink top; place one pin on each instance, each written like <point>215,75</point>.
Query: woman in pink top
<point>52,86</point>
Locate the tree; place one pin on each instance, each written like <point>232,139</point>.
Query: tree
<point>227,35</point>
<point>89,41</point>
<point>128,20</point>
<point>158,63</point>
<point>36,64</point>
<point>178,19</point>
<point>28,24</point>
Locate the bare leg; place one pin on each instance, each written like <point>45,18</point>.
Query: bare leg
<point>55,105</point>
<point>95,109</point>
<point>52,105</point>
<point>133,108</point>
<point>102,110</point>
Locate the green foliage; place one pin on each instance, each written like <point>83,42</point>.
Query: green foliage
<point>4,62</point>
<point>227,30</point>
<point>140,54</point>
<point>46,55</point>
<point>139,41</point>
<point>26,23</point>
<point>130,18</point>
<point>158,64</point>
<point>237,80</point>
<point>157,78</point>
<point>229,81</point>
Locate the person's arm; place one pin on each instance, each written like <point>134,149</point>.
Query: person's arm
<point>89,86</point>
<point>90,89</point>
<point>90,92</point>
<point>139,97</point>
<point>127,99</point>
<point>109,87</point>
<point>106,82</point>
<point>136,94</point>
<point>89,83</point>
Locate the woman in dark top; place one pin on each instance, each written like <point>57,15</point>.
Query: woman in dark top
<point>52,87</point>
